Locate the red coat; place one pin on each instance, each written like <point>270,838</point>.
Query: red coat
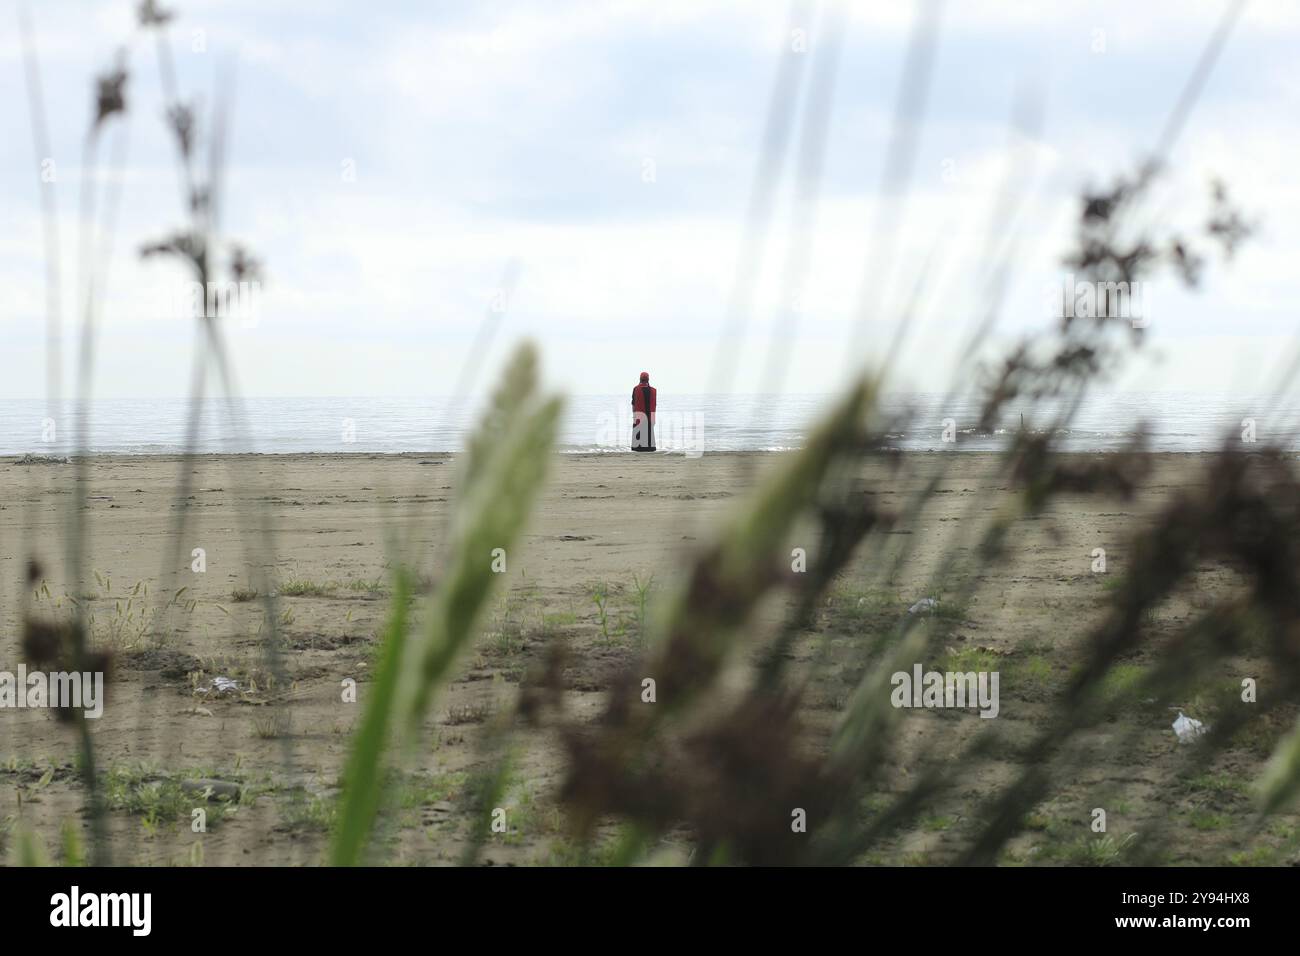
<point>644,402</point>
<point>645,399</point>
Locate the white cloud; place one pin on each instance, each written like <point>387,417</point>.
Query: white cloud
<point>482,133</point>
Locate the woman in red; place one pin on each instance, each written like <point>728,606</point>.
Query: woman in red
<point>643,415</point>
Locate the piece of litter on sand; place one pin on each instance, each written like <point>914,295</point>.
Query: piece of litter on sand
<point>1187,729</point>
<point>222,685</point>
<point>925,604</point>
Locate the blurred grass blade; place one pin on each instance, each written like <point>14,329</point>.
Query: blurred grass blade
<point>729,579</point>
<point>364,773</point>
<point>504,471</point>
<point>504,466</point>
<point>30,852</point>
<point>1281,779</point>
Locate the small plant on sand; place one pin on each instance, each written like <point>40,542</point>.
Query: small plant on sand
<point>300,587</point>
<point>159,798</point>
<point>559,619</point>
<point>271,726</point>
<point>642,597</point>
<point>310,812</point>
<point>126,626</point>
<point>1204,820</point>
<point>600,598</point>
<point>1032,671</point>
<point>937,824</point>
<point>1099,850</point>
<point>508,635</point>
<point>474,713</point>
<point>970,659</point>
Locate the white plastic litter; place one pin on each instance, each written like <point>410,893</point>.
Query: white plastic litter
<point>1187,729</point>
<point>925,604</point>
<point>223,685</point>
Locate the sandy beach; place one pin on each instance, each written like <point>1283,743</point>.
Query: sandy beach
<point>605,525</point>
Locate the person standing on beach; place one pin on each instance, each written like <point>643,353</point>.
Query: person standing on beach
<point>644,401</point>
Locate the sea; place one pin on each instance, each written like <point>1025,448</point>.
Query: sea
<point>686,424</point>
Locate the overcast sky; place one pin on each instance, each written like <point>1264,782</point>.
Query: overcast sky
<point>387,160</point>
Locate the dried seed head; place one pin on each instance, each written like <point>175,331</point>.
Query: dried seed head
<point>244,265</point>
<point>42,641</point>
<point>152,15</point>
<point>110,92</point>
<point>190,246</point>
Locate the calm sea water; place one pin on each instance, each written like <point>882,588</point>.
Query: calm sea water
<point>686,424</point>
